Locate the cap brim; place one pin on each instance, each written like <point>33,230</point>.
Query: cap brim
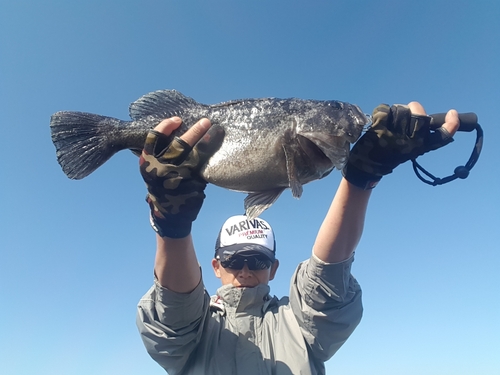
<point>245,249</point>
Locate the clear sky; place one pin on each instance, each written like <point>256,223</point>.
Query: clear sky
<point>76,256</point>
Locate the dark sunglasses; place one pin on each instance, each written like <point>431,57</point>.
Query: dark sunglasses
<point>253,263</point>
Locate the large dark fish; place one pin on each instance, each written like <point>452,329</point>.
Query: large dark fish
<point>269,144</point>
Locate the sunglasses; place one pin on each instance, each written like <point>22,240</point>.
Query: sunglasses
<point>253,263</point>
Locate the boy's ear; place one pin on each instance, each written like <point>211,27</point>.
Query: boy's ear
<point>274,268</point>
<point>216,266</point>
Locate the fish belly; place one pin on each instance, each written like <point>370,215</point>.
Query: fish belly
<point>247,166</point>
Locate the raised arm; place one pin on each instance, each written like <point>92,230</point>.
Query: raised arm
<point>393,139</point>
<point>170,168</point>
<point>342,227</point>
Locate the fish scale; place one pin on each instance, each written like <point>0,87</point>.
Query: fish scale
<point>269,145</point>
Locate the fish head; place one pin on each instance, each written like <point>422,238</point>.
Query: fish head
<point>328,129</point>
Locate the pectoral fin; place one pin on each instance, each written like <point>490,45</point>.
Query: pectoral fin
<point>291,171</point>
<point>256,203</point>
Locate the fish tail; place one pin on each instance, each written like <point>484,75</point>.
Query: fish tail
<point>82,141</point>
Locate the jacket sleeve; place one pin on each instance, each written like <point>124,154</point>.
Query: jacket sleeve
<point>326,301</point>
<point>171,324</point>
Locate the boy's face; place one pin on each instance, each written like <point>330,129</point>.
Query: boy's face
<point>244,277</point>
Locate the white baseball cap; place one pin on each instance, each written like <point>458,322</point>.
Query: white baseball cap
<point>241,236</point>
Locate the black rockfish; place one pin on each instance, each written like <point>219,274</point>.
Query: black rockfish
<point>269,144</point>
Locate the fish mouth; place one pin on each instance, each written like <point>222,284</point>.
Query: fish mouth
<point>136,151</point>
<point>362,120</point>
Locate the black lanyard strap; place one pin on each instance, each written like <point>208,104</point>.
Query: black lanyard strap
<point>468,123</point>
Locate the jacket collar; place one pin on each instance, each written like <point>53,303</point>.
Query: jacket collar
<point>253,301</point>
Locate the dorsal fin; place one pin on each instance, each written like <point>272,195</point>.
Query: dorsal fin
<point>161,103</point>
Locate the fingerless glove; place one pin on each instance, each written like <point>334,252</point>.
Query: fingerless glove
<point>171,170</point>
<point>394,137</point>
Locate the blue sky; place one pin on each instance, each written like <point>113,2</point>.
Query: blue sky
<point>76,256</point>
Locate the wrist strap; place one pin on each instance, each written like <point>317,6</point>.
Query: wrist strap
<point>359,178</point>
<point>165,228</point>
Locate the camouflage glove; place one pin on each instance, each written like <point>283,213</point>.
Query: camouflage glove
<point>170,168</point>
<point>394,138</point>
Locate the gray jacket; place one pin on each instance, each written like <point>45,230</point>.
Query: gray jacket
<point>246,331</point>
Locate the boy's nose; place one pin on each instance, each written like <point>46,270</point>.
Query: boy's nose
<point>244,271</point>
